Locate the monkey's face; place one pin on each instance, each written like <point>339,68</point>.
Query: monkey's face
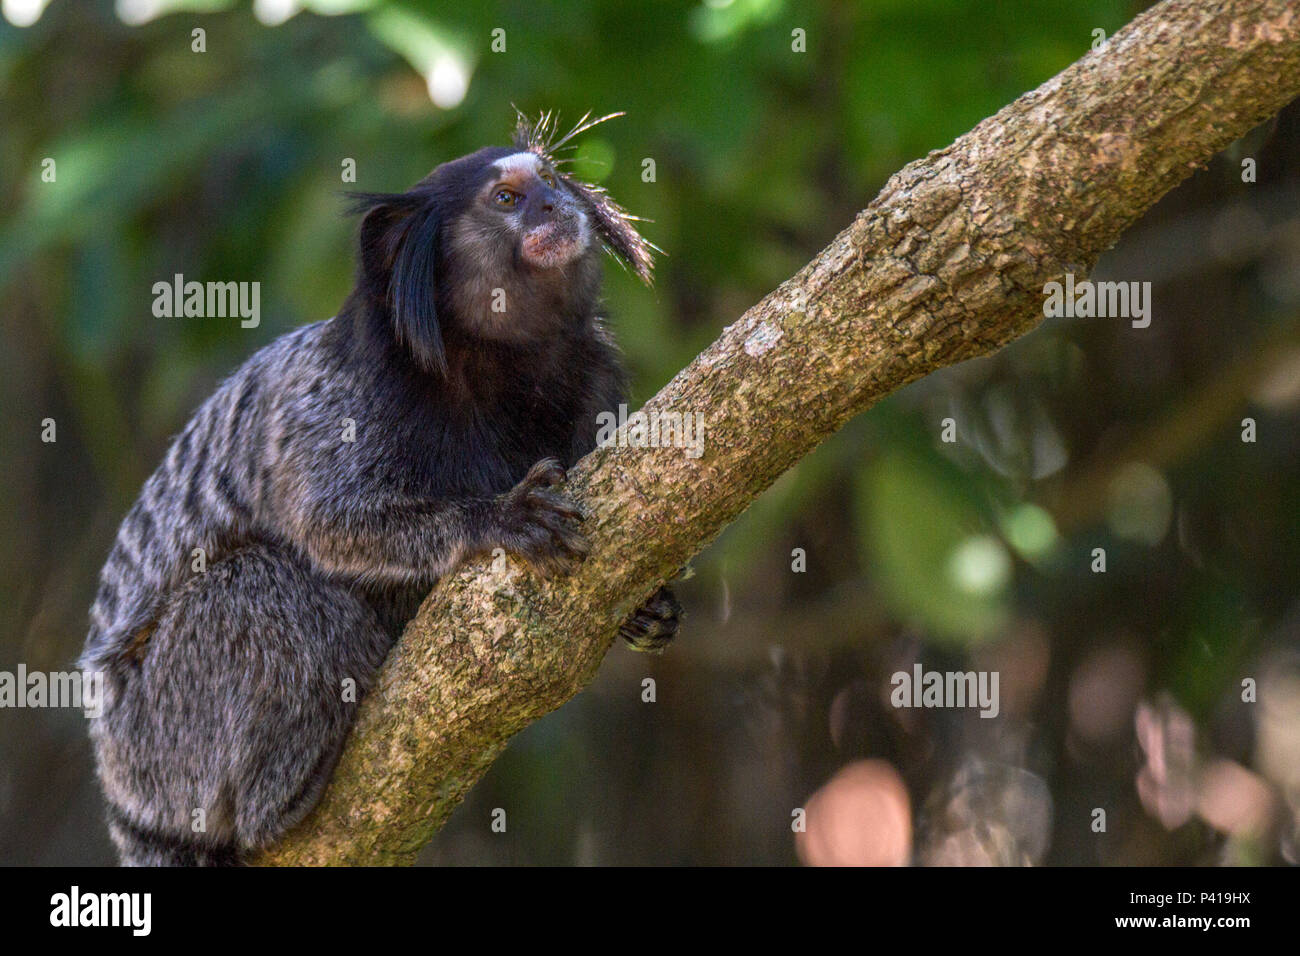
<point>521,251</point>
<point>546,224</point>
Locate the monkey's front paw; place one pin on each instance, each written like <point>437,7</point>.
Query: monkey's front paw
<point>651,628</point>
<point>540,525</point>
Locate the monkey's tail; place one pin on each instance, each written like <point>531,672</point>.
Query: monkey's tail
<point>142,846</point>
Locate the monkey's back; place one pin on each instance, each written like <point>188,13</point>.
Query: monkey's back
<point>207,497</point>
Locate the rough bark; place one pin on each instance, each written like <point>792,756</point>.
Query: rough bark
<point>948,263</point>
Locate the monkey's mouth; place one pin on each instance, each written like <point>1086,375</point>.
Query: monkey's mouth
<point>554,244</point>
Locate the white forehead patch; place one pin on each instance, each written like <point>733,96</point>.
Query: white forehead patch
<point>519,162</point>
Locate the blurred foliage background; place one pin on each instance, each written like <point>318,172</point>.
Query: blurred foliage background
<point>1120,690</point>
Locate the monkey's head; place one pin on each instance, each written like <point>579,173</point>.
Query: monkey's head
<point>499,245</point>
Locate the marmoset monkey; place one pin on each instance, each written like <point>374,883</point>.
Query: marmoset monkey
<point>333,478</point>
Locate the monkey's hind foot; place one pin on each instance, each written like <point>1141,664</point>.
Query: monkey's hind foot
<point>651,628</point>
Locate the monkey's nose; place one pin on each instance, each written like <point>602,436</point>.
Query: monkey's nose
<point>546,199</point>
<point>543,205</point>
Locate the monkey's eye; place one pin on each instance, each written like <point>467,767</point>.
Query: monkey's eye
<point>505,197</point>
<point>547,178</point>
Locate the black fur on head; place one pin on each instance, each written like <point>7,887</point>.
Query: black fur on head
<point>399,239</point>
<point>499,246</point>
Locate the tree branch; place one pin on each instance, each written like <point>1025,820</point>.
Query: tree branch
<point>948,263</point>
